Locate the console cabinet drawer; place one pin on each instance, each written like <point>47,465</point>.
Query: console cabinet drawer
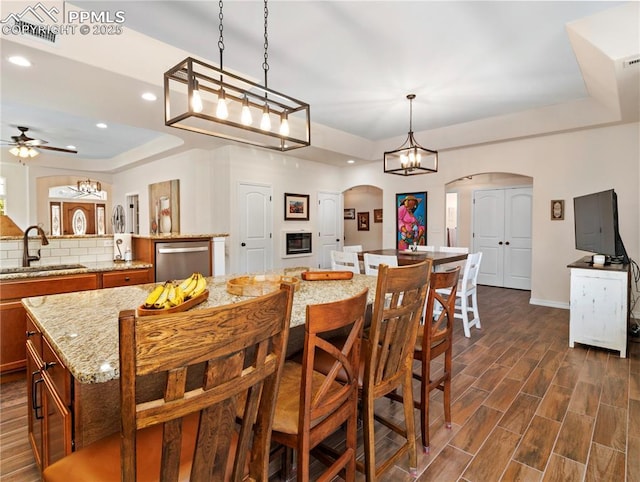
<point>125,278</point>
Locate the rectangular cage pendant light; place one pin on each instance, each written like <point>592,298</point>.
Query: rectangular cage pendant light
<point>203,98</point>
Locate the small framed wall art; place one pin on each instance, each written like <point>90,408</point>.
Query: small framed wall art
<point>296,207</point>
<point>349,213</point>
<point>363,221</point>
<point>557,209</point>
<point>377,215</point>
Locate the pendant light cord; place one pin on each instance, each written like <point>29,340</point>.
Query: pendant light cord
<point>221,37</point>
<point>265,64</point>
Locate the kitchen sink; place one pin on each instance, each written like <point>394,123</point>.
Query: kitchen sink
<point>32,269</point>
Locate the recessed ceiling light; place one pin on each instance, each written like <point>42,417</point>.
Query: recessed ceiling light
<point>351,161</point>
<point>101,125</point>
<point>149,96</point>
<point>21,61</point>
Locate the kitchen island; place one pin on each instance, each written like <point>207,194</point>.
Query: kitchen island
<point>74,349</point>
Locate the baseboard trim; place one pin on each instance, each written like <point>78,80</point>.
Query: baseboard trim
<point>550,304</point>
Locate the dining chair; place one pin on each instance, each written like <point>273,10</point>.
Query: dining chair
<point>434,340</point>
<point>467,294</point>
<point>203,360</point>
<point>372,261</point>
<point>388,357</point>
<point>345,261</point>
<point>425,248</point>
<point>311,405</point>
<point>356,247</point>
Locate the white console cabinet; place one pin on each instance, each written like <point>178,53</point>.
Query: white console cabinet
<point>599,305</point>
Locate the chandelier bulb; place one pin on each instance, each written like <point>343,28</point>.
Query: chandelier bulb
<point>246,117</point>
<point>265,122</point>
<point>196,100</point>
<point>33,152</point>
<point>284,125</point>
<point>221,110</point>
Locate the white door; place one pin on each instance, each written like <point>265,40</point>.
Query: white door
<point>502,231</point>
<point>330,225</point>
<point>255,218</point>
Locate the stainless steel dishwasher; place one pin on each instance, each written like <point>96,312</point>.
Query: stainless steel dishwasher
<point>178,260</point>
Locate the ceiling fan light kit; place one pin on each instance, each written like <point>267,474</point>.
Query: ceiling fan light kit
<point>411,158</point>
<point>203,98</point>
<point>24,146</point>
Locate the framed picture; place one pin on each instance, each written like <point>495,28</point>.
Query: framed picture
<point>557,209</point>
<point>377,215</point>
<point>411,219</point>
<point>363,221</point>
<point>296,207</point>
<point>350,213</point>
<point>164,207</point>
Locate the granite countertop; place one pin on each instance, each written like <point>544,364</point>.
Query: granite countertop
<point>110,236</point>
<point>11,274</point>
<point>160,237</point>
<point>83,327</point>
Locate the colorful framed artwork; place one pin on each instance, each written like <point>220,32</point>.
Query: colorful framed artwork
<point>296,207</point>
<point>164,207</point>
<point>411,219</point>
<point>349,213</point>
<point>377,215</point>
<point>557,209</point>
<point>363,221</point>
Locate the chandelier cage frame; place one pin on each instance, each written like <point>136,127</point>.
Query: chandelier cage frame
<point>89,186</point>
<point>410,158</point>
<point>245,99</point>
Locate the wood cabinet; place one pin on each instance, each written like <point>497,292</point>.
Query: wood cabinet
<point>13,317</point>
<point>13,353</point>
<point>49,395</point>
<point>599,307</point>
<point>128,277</point>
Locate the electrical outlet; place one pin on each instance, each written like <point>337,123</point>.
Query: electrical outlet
<point>108,242</point>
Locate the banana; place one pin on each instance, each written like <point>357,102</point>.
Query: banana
<point>162,299</point>
<point>186,283</point>
<point>200,286</point>
<point>153,296</point>
<point>178,297</point>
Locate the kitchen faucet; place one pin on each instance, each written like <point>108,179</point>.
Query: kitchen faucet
<point>26,259</point>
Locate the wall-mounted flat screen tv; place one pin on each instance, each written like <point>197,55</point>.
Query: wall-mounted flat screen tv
<point>596,225</point>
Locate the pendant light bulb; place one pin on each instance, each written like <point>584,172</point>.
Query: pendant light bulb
<point>246,117</point>
<point>33,152</point>
<point>265,122</point>
<point>196,99</point>
<point>284,125</point>
<point>15,151</point>
<point>221,110</point>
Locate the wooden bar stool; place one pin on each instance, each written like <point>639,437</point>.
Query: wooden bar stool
<point>188,429</point>
<point>311,405</point>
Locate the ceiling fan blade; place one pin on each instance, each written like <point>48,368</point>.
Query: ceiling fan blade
<point>35,142</point>
<point>59,149</point>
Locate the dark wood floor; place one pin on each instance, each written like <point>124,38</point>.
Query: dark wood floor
<point>525,406</point>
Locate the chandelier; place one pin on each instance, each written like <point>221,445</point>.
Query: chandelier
<point>89,186</point>
<point>23,152</point>
<point>410,158</point>
<point>203,98</point>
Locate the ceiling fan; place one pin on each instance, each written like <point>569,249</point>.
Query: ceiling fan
<point>25,146</point>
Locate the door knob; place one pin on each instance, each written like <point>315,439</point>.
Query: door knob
<point>243,244</point>
<point>507,243</point>
<point>500,243</point>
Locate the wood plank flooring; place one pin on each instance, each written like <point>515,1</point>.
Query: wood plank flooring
<point>525,406</point>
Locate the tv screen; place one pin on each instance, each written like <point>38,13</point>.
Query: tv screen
<point>596,225</point>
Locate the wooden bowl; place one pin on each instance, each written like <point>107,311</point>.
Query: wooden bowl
<point>259,285</point>
<point>190,303</point>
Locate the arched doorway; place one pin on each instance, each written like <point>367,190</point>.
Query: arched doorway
<point>360,203</point>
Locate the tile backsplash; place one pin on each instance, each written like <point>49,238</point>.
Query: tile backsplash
<point>70,250</point>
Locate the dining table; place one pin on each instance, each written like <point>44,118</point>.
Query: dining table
<point>406,257</point>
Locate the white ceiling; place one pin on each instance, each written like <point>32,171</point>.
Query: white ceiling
<point>353,62</point>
